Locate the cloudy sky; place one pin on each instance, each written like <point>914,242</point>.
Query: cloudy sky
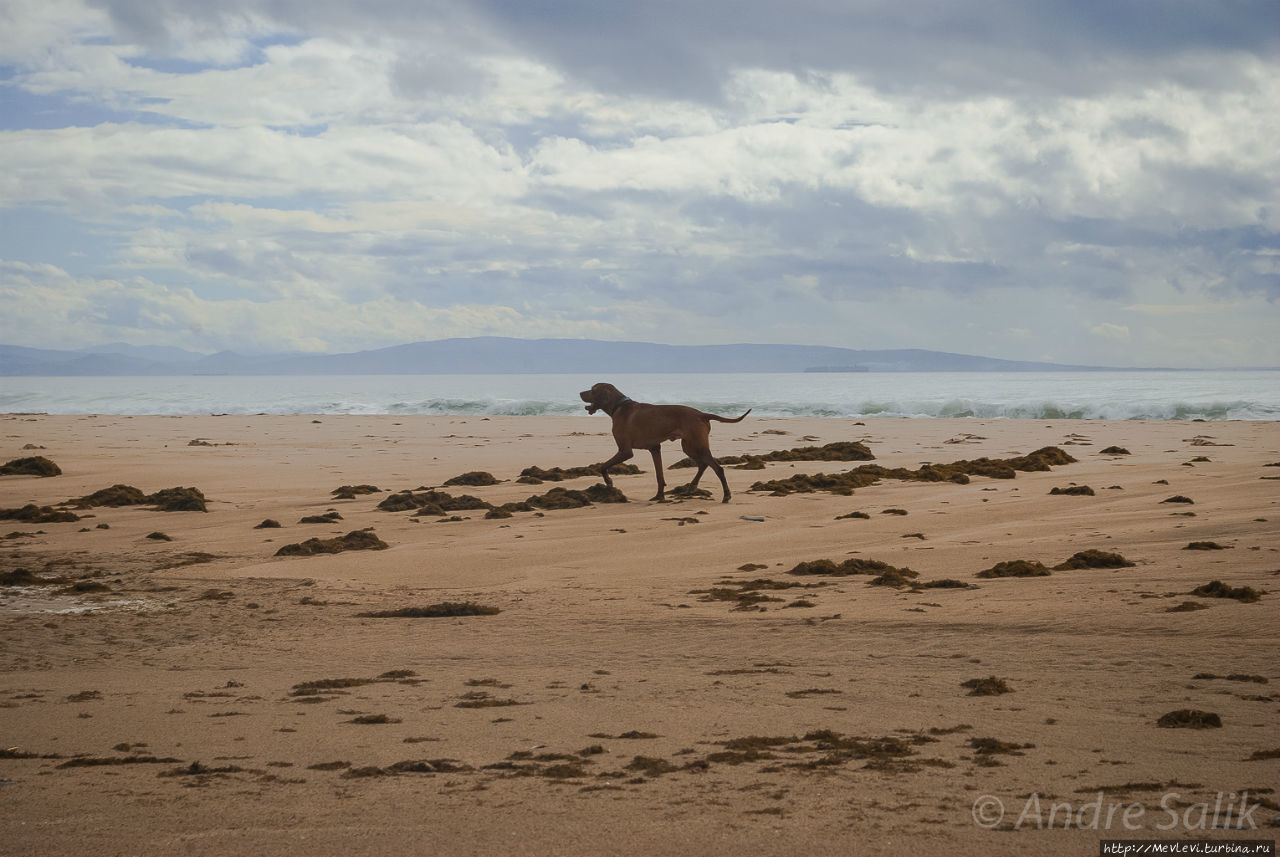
<point>1083,181</point>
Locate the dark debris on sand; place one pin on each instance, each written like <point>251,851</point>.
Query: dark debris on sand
<point>36,465</point>
<point>446,609</point>
<point>166,500</point>
<point>854,565</point>
<point>536,475</point>
<point>1015,568</point>
<point>33,514</point>
<point>1093,559</point>
<point>1218,589</point>
<point>838,451</point>
<point>178,500</point>
<point>1189,718</point>
<point>567,498</point>
<point>994,746</point>
<point>990,686</point>
<point>355,540</point>
<point>351,492</point>
<point>959,472</point>
<point>441,503</point>
<point>896,578</point>
<point>326,518</point>
<point>749,594</point>
<point>473,478</point>
<point>1204,546</point>
<point>431,502</point>
<point>1074,491</point>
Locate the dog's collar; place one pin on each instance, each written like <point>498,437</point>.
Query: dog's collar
<point>620,403</point>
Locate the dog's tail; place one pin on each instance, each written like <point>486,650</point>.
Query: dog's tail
<point>707,416</point>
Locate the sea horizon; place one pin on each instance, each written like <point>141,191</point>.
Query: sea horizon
<point>1149,394</point>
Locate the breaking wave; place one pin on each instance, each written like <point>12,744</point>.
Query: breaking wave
<point>1252,395</point>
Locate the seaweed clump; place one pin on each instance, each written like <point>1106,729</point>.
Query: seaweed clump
<point>116,495</point>
<point>536,475</point>
<point>101,761</point>
<point>947,583</point>
<point>1093,559</point>
<point>842,450</point>
<point>994,746</point>
<point>166,500</point>
<point>1218,589</point>
<point>24,577</point>
<point>896,578</point>
<point>1074,491</point>
<point>36,465</point>
<point>990,686</point>
<point>749,593</point>
<point>472,478</point>
<point>353,541</point>
<point>959,472</point>
<point>373,719</point>
<point>431,502</point>
<point>33,514</point>
<point>178,500</point>
<point>1187,607</point>
<point>445,609</point>
<point>1189,718</point>
<point>350,492</point>
<point>326,518</point>
<point>568,498</point>
<point>850,566</point>
<point>1016,568</point>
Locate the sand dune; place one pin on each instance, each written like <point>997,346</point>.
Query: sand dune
<point>655,679</point>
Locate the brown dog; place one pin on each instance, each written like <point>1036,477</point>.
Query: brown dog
<point>637,425</point>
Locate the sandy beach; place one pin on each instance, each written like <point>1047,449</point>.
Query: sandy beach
<point>635,678</point>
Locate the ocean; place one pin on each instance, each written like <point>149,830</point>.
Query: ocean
<point>1119,395</point>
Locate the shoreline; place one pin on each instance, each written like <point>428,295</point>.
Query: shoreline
<point>522,720</point>
<point>1121,396</point>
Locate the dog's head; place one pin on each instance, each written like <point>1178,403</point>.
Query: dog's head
<point>602,397</point>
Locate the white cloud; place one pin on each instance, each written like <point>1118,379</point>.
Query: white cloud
<point>308,165</point>
<point>60,308</point>
<point>104,166</point>
<point>1107,330</point>
<point>1173,309</point>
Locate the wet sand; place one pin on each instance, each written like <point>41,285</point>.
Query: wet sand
<point>655,681</point>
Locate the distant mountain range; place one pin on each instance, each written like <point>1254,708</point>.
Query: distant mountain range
<point>498,355</point>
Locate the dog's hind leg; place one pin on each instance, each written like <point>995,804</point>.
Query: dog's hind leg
<point>724,483</point>
<point>704,459</point>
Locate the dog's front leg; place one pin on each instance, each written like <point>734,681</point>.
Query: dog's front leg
<point>620,456</point>
<point>656,452</point>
